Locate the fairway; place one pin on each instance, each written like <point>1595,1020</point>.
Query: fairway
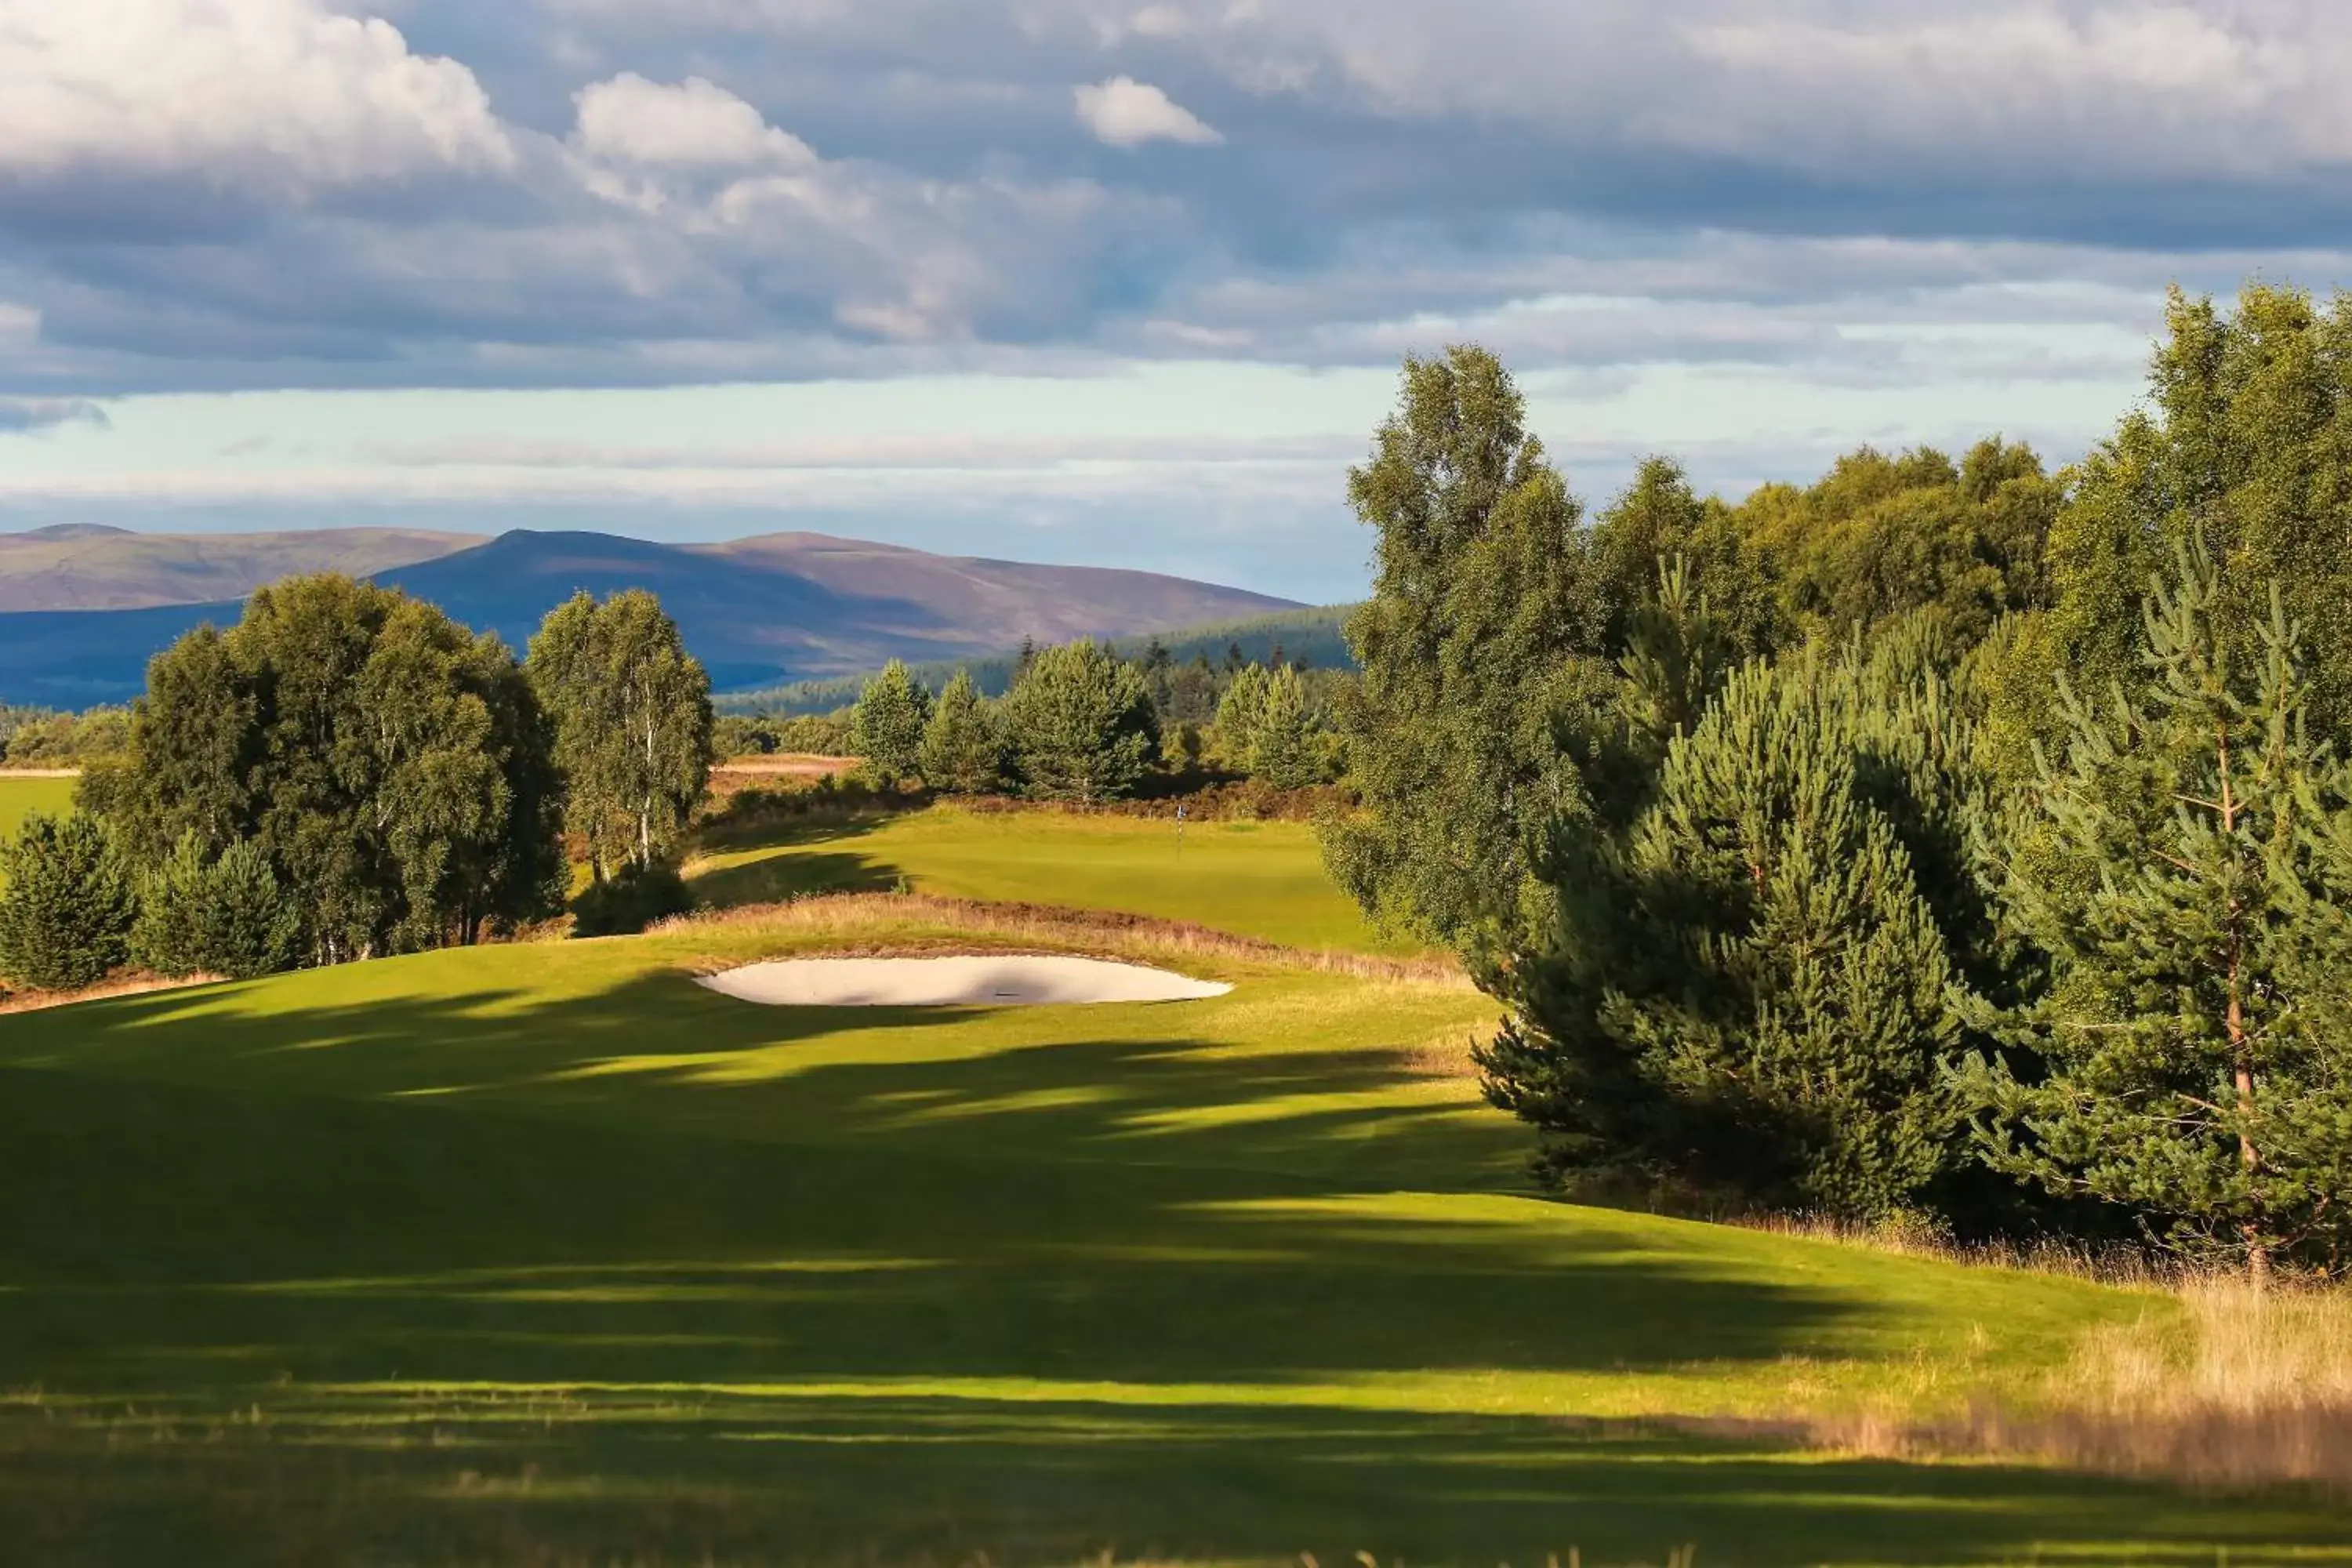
<point>547,1253</point>
<point>1263,879</point>
<point>22,794</point>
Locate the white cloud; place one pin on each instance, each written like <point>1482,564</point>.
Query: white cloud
<point>281,94</point>
<point>1126,112</point>
<point>696,124</point>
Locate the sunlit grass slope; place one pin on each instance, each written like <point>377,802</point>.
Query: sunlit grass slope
<point>21,795</point>
<point>1263,879</point>
<point>544,1254</point>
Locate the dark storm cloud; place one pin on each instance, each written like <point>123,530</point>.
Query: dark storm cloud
<point>788,188</point>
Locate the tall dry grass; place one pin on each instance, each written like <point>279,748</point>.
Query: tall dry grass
<point>2227,1387</point>
<point>880,920</point>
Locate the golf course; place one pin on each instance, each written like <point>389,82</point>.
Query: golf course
<point>546,1253</point>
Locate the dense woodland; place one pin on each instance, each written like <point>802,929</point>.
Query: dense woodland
<point>1950,840</point>
<point>1953,839</point>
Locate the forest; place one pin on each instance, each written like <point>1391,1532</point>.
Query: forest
<point>1954,841</point>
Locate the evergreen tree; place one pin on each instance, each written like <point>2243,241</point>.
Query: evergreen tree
<point>1081,724</point>
<point>66,904</point>
<point>633,725</point>
<point>226,914</point>
<point>962,750</point>
<point>2193,883</point>
<point>887,724</point>
<point>1282,750</point>
<point>1751,991</point>
<point>1240,713</point>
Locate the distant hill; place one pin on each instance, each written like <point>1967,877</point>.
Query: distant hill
<point>758,612</point>
<point>89,567</point>
<point>1305,636</point>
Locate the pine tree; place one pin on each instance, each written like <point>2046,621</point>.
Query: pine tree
<point>68,904</point>
<point>887,727</point>
<point>1751,991</point>
<point>202,914</point>
<point>1082,724</point>
<point>1282,751</point>
<point>962,750</point>
<point>2193,883</point>
<point>1240,713</point>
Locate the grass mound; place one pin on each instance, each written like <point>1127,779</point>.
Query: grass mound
<point>1261,880</point>
<point>544,1254</point>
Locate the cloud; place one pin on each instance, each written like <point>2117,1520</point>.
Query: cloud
<point>20,416</point>
<point>210,194</point>
<point>695,124</point>
<point>1125,112</point>
<point>282,95</point>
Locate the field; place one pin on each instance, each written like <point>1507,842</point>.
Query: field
<point>1263,879</point>
<point>22,794</point>
<point>546,1255</point>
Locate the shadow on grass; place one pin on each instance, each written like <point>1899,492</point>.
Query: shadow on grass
<point>676,1280</point>
<point>767,861</point>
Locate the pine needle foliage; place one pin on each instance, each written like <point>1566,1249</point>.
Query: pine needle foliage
<point>962,751</point>
<point>226,914</point>
<point>1082,724</point>
<point>1751,991</point>
<point>2193,883</point>
<point>887,727</point>
<point>66,914</point>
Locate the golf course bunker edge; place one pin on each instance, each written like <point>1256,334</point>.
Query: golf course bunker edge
<point>1004,979</point>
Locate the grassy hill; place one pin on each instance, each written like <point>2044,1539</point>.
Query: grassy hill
<point>20,794</point>
<point>1261,880</point>
<point>82,566</point>
<point>545,1254</point>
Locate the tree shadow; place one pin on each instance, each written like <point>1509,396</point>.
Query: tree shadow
<point>648,1274</point>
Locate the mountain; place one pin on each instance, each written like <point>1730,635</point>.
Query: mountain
<point>758,612</point>
<point>89,567</point>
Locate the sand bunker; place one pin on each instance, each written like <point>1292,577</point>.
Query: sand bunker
<point>1001,982</point>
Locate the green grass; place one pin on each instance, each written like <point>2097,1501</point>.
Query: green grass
<point>1263,879</point>
<point>20,797</point>
<point>546,1255</point>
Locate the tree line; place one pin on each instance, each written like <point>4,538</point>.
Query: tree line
<point>1948,839</point>
<point>1082,724</point>
<point>347,772</point>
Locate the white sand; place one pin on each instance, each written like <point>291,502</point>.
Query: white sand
<point>1002,982</point>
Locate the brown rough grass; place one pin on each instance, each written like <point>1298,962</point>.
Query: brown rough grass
<point>130,985</point>
<point>1104,932</point>
<point>2241,1390</point>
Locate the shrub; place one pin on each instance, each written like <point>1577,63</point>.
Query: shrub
<point>627,903</point>
<point>226,916</point>
<point>67,914</point>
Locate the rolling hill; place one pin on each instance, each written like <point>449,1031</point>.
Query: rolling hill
<point>89,567</point>
<point>757,611</point>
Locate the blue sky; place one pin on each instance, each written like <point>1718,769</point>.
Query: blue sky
<point>1069,280</point>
